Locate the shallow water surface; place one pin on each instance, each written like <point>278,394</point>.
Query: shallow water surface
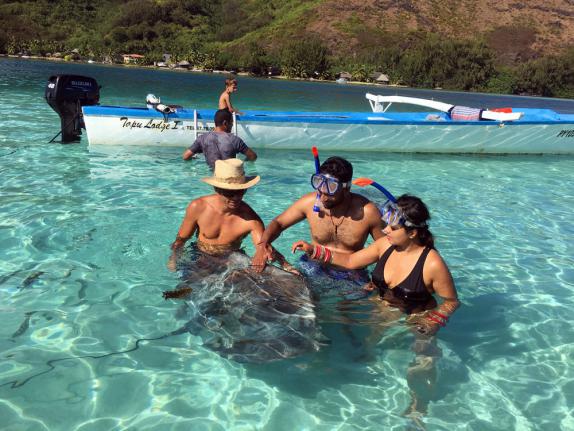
<point>87,341</point>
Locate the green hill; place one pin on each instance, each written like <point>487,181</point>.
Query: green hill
<point>500,46</point>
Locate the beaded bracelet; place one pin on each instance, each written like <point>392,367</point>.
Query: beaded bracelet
<point>322,253</point>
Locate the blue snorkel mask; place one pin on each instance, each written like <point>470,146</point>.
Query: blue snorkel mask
<point>327,184</point>
<point>391,214</point>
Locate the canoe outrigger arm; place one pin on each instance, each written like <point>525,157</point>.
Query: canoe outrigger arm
<point>378,105</point>
<point>378,102</point>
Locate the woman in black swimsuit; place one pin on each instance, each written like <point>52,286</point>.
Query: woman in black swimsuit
<point>409,272</point>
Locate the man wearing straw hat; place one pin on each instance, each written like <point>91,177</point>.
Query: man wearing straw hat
<point>222,220</point>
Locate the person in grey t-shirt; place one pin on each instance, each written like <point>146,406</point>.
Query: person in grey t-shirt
<point>220,144</point>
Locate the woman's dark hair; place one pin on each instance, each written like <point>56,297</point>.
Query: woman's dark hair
<point>418,214</point>
<point>338,168</point>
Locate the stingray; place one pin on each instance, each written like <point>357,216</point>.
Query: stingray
<point>247,316</point>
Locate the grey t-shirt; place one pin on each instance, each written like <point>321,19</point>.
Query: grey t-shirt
<point>218,146</point>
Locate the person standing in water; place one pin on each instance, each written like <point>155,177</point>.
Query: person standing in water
<point>220,144</point>
<point>225,97</point>
<point>222,220</point>
<point>338,219</point>
<point>409,271</point>
<point>409,275</point>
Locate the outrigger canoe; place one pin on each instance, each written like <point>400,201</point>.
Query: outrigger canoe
<point>440,128</point>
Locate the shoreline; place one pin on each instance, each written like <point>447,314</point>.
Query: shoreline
<point>278,77</point>
<point>221,72</point>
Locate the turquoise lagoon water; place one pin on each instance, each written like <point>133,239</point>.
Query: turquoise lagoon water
<point>84,238</point>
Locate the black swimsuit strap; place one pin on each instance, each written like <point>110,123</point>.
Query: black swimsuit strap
<point>378,275</point>
<point>387,254</point>
<point>417,271</point>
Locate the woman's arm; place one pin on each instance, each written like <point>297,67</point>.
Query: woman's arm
<point>357,260</point>
<point>442,284</point>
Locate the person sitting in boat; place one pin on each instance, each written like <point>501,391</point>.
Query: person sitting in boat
<point>222,220</point>
<point>225,97</point>
<point>338,219</point>
<point>409,271</point>
<point>220,144</point>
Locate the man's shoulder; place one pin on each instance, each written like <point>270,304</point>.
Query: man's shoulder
<point>200,203</point>
<point>359,199</point>
<point>304,203</point>
<point>368,208</point>
<point>305,199</point>
<point>236,139</point>
<point>203,137</point>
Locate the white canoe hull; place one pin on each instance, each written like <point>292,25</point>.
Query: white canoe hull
<point>362,132</point>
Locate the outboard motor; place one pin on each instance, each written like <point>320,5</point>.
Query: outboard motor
<point>66,94</point>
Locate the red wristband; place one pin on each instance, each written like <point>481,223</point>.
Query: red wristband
<point>328,255</point>
<point>436,313</point>
<point>315,252</point>
<point>441,323</point>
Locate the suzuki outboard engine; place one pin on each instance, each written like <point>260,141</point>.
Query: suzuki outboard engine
<point>66,94</point>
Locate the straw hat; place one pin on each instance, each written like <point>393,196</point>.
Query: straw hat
<point>229,175</point>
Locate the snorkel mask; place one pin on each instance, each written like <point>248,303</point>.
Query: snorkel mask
<point>391,214</point>
<point>327,184</point>
<point>324,183</point>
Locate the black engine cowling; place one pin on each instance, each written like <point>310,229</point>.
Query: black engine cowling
<point>66,94</point>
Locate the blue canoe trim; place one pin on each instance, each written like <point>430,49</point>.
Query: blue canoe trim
<point>531,116</point>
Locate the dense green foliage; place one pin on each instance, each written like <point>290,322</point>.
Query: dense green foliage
<point>264,35</point>
<point>551,76</point>
<point>306,58</point>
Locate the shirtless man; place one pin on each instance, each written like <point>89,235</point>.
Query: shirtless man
<point>222,220</point>
<point>343,223</point>
<point>225,97</point>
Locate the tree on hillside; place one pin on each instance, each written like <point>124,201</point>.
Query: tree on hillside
<point>551,76</point>
<point>434,62</point>
<point>306,58</point>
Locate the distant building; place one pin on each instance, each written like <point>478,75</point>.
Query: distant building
<point>183,65</point>
<point>345,75</point>
<point>380,78</point>
<point>132,58</point>
<point>166,58</point>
